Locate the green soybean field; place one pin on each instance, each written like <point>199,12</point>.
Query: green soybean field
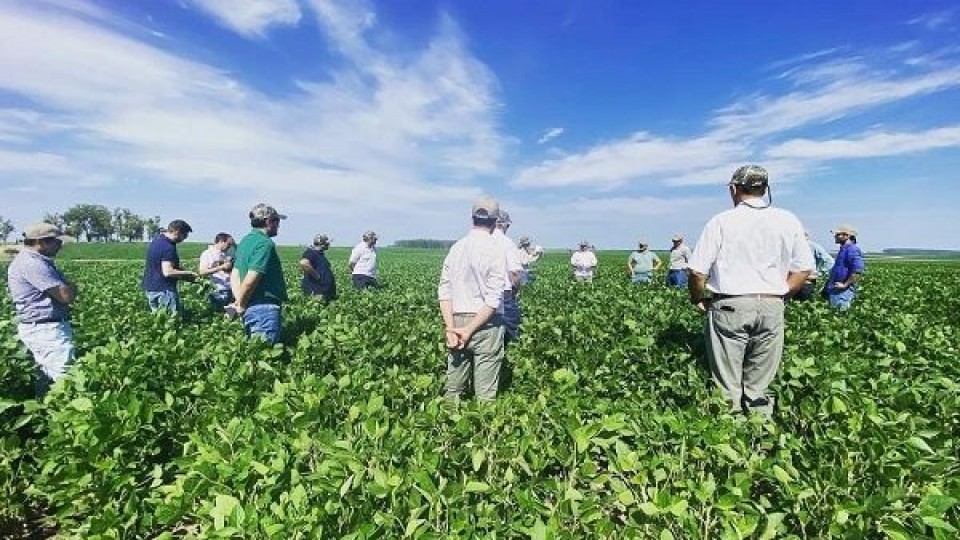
<point>607,426</point>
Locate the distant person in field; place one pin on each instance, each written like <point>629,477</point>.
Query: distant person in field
<point>642,263</point>
<point>679,260</point>
<point>216,263</point>
<point>841,286</point>
<point>822,263</point>
<point>470,294</point>
<point>749,257</point>
<point>162,271</point>
<point>257,276</point>
<point>318,279</point>
<point>584,262</point>
<point>363,262</point>
<point>41,298</point>
<point>512,315</point>
<point>529,255</point>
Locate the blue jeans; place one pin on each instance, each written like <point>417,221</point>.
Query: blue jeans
<point>677,278</point>
<point>263,320</point>
<point>511,316</point>
<point>841,300</point>
<point>363,281</point>
<point>220,298</point>
<point>642,277</point>
<point>168,300</point>
<point>52,347</point>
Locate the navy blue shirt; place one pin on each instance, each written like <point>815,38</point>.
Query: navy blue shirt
<point>326,286</point>
<point>849,261</point>
<point>161,249</point>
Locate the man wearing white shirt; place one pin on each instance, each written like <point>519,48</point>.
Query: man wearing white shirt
<point>217,263</point>
<point>514,270</point>
<point>363,262</point>
<point>470,294</point>
<point>750,258</point>
<point>528,255</point>
<point>679,259</point>
<point>584,263</point>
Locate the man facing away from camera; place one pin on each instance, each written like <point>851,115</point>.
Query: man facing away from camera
<point>750,258</point>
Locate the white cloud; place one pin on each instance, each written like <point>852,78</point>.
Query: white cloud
<point>550,134</point>
<point>378,133</point>
<point>252,17</point>
<point>935,20</point>
<point>641,156</point>
<point>869,145</point>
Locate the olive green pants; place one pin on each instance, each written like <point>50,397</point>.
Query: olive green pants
<point>744,338</point>
<point>482,357</point>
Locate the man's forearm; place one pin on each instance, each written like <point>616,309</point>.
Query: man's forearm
<point>796,281</point>
<point>446,312</point>
<point>247,287</point>
<point>480,319</point>
<point>697,286</point>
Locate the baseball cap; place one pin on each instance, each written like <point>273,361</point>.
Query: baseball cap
<point>845,228</point>
<point>39,231</point>
<point>751,176</point>
<point>677,236</point>
<point>369,236</point>
<point>486,208</point>
<point>504,217</point>
<point>643,243</point>
<point>321,240</point>
<point>584,243</point>
<point>265,211</point>
<point>524,241</point>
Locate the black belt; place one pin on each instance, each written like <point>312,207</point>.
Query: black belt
<point>46,321</point>
<point>721,296</point>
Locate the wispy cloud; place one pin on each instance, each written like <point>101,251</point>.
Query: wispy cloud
<point>936,20</point>
<point>821,88</point>
<point>384,130</point>
<point>869,145</point>
<point>251,17</point>
<point>642,156</point>
<point>550,134</point>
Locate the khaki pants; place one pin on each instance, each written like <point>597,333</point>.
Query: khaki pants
<point>744,338</point>
<point>482,356</point>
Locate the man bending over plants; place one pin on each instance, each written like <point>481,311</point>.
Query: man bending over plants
<point>470,293</point>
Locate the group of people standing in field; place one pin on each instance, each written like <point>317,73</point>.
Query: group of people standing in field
<point>750,259</point>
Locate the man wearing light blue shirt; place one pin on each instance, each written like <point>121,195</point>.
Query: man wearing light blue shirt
<point>42,296</point>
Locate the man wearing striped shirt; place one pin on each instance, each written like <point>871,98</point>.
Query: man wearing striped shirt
<point>470,294</point>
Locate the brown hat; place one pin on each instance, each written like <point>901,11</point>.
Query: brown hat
<point>39,231</point>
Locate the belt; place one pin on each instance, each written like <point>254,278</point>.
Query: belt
<point>721,296</point>
<point>45,321</point>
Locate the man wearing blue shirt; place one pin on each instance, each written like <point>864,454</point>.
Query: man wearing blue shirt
<point>162,270</point>
<point>42,296</point>
<point>841,287</point>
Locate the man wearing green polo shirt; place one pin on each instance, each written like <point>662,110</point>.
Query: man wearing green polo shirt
<point>257,277</point>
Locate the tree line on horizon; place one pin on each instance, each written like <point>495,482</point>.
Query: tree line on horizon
<point>96,223</point>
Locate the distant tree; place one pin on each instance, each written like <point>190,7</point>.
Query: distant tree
<point>6,228</point>
<point>152,226</point>
<point>94,221</point>
<point>424,243</point>
<point>127,225</point>
<point>55,219</point>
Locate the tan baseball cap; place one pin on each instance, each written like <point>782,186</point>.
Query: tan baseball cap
<point>845,228</point>
<point>39,231</point>
<point>486,208</point>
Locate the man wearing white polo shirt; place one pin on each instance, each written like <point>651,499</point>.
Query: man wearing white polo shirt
<point>750,258</point>
<point>470,294</point>
<point>363,262</point>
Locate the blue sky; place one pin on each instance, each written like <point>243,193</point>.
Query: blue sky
<point>605,120</point>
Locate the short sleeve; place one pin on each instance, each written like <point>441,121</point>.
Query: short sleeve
<point>260,258</point>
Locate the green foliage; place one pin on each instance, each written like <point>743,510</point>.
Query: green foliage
<point>609,430</point>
